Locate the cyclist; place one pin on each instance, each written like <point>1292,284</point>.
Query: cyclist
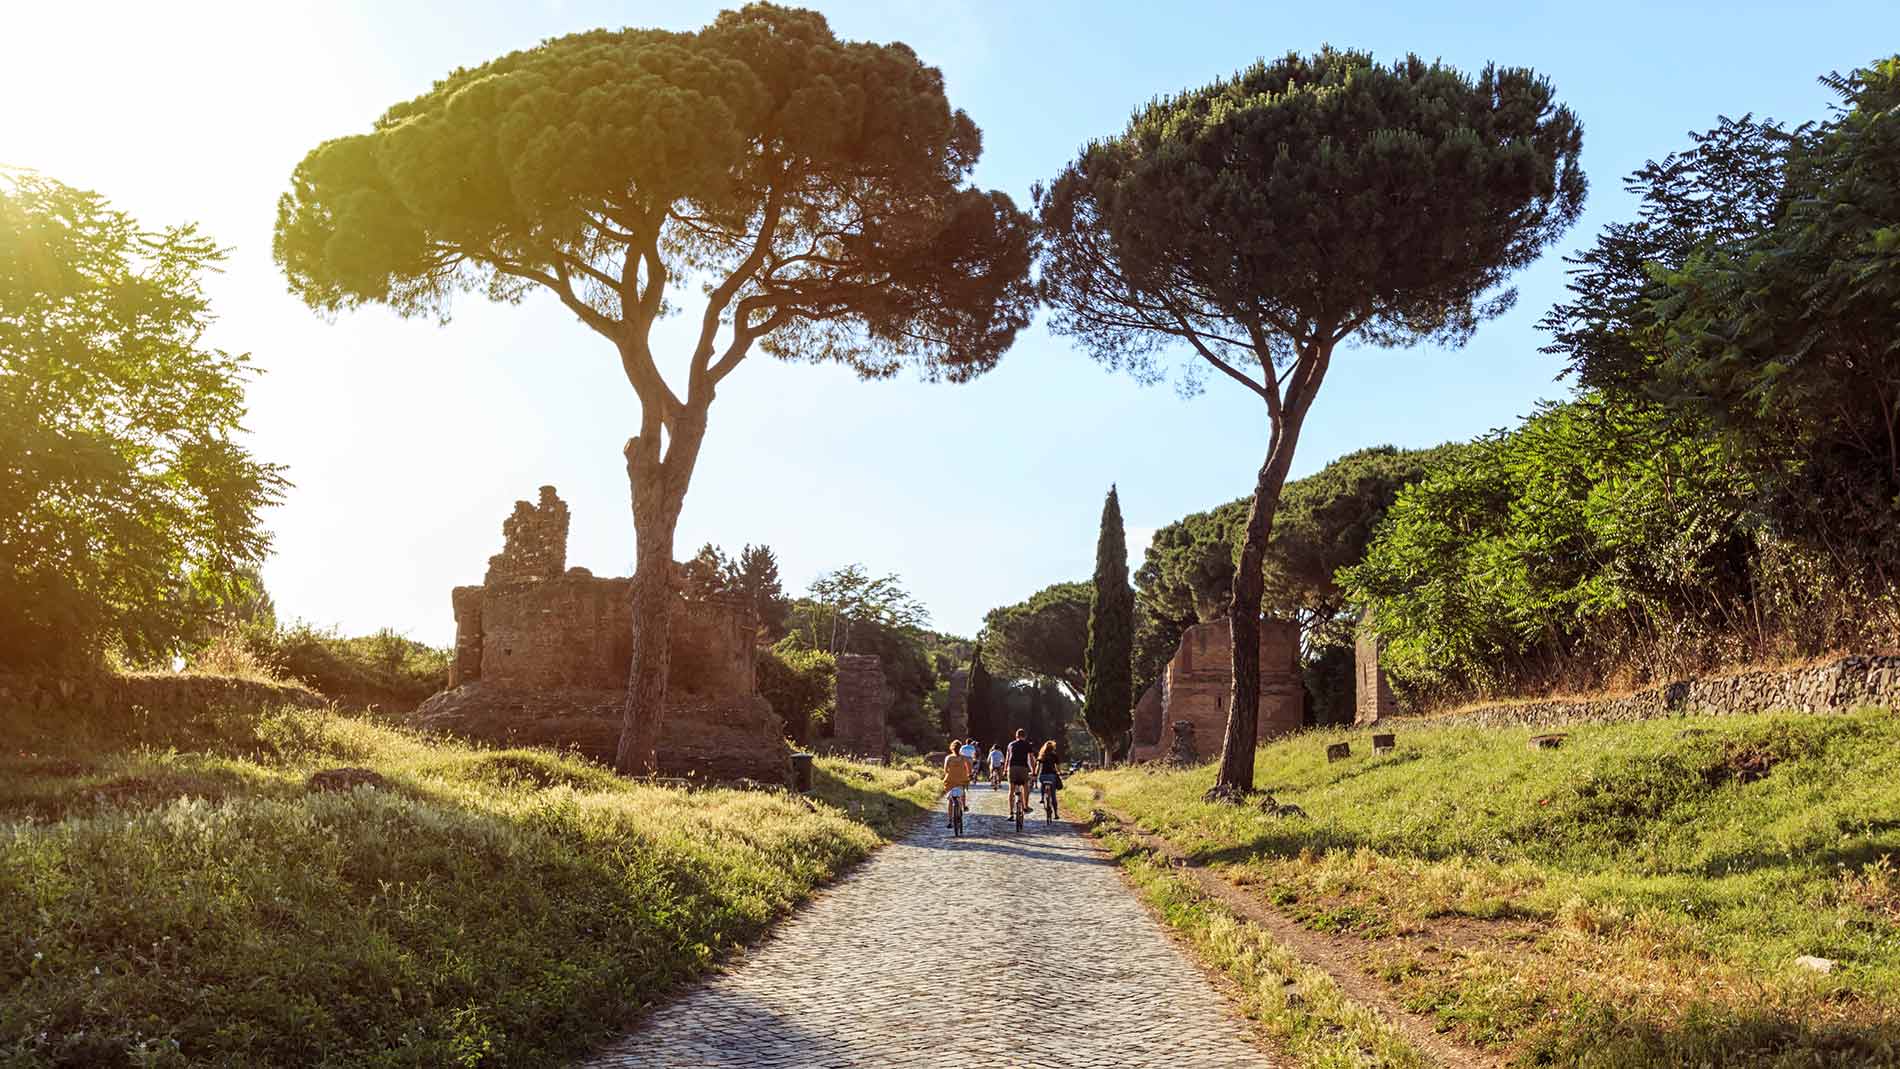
<point>996,766</point>
<point>970,750</point>
<point>956,778</point>
<point>1018,756</point>
<point>1049,775</point>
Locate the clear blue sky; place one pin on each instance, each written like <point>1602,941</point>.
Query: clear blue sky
<point>408,442</point>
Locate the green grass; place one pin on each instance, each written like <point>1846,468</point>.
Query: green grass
<point>172,895</point>
<point>1639,894</point>
<point>1298,1005</point>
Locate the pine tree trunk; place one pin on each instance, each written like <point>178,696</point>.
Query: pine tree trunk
<point>1235,779</point>
<point>658,489</point>
<point>1243,621</point>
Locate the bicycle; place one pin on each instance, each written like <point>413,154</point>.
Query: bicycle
<point>1016,806</point>
<point>956,814</point>
<point>1048,802</point>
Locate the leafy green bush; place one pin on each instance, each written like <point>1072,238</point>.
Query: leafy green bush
<point>384,669</point>
<point>799,685</point>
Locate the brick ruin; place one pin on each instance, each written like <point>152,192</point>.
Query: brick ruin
<point>1147,716</point>
<point>542,653</point>
<point>861,706</point>
<point>1373,699</point>
<point>1196,686</point>
<point>956,713</point>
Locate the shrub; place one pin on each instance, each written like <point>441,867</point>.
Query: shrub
<point>384,669</point>
<point>799,684</point>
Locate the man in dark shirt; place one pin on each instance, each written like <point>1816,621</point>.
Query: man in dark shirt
<point>1019,754</point>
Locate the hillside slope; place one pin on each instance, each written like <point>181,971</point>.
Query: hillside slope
<point>174,894</point>
<point>1638,896</point>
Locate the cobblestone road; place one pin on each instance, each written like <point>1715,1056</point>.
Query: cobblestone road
<point>936,947</point>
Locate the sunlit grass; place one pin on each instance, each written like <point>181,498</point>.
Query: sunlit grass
<point>1641,892</point>
<point>181,898</point>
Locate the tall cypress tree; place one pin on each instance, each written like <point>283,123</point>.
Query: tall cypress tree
<point>978,709</point>
<point>1108,703</point>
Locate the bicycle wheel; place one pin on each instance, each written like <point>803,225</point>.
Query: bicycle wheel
<point>956,817</point>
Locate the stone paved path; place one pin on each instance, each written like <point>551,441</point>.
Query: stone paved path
<point>938,945</point>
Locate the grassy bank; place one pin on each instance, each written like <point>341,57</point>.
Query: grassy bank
<point>174,895</point>
<point>1638,896</point>
<point>1297,1004</point>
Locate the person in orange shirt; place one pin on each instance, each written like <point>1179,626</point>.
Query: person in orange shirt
<point>956,777</point>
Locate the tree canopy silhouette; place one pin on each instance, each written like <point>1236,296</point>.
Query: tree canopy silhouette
<point>1259,222</point>
<point>797,192</point>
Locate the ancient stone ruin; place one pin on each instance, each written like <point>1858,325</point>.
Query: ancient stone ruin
<point>956,714</point>
<point>1147,715</point>
<point>1372,695</point>
<point>1182,749</point>
<point>861,706</point>
<point>542,653</point>
<point>1197,683</point>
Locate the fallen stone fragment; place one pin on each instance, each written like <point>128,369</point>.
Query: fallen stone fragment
<point>1820,965</point>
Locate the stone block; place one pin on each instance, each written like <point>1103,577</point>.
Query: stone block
<point>1384,743</point>
<point>1338,751</point>
<point>1182,747</point>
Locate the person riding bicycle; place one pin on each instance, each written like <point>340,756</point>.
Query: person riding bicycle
<point>971,752</point>
<point>1018,756</point>
<point>1049,775</point>
<point>956,778</point>
<point>996,766</point>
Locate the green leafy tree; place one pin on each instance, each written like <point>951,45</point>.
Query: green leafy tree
<point>1323,523</point>
<point>129,512</point>
<point>849,596</point>
<point>1042,637</point>
<point>755,574</point>
<point>1581,541</point>
<point>1260,222</point>
<point>801,193</point>
<point>751,576</point>
<point>708,574</point>
<point>1766,312</point>
<point>1109,701</point>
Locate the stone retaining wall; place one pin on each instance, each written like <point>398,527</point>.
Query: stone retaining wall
<point>1848,683</point>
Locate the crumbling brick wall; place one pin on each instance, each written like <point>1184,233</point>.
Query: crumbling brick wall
<point>542,653</point>
<point>862,703</point>
<point>956,714</point>
<point>1373,699</point>
<point>1198,682</point>
<point>534,541</point>
<point>1147,724</point>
